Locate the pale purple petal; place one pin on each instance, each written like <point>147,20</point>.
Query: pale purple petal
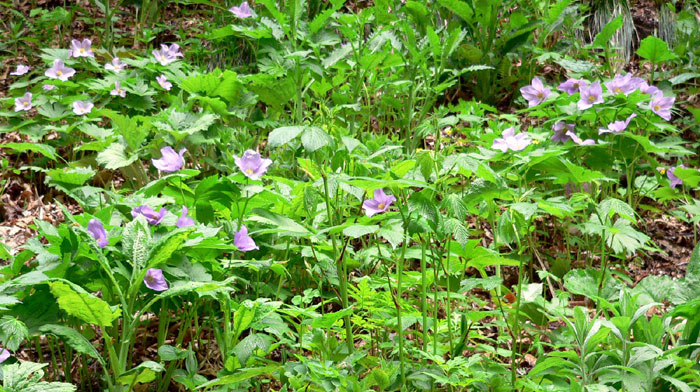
<point>379,204</point>
<point>243,241</point>
<point>98,232</point>
<point>578,140</point>
<point>512,142</point>
<point>163,82</point>
<point>535,93</point>
<point>48,87</point>
<point>24,102</point>
<point>170,160</point>
<point>572,85</point>
<point>4,354</point>
<point>251,164</point>
<point>155,280</point>
<point>242,11</point>
<point>662,105</point>
<point>82,48</point>
<point>118,90</point>
<point>152,217</point>
<point>675,181</point>
<point>116,65</point>
<point>560,128</point>
<point>590,95</point>
<point>21,70</point>
<point>82,107</point>
<point>59,71</point>
<point>617,126</point>
<point>184,220</point>
<point>163,57</point>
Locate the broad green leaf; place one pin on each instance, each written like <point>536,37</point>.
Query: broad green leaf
<point>169,353</point>
<point>72,338</point>
<point>145,372</point>
<point>39,148</point>
<point>603,38</point>
<point>314,138</point>
<point>12,332</point>
<point>70,177</point>
<point>459,8</point>
<point>165,247</point>
<point>243,375</point>
<point>77,302</point>
<point>114,157</point>
<point>655,50</point>
<point>283,135</point>
<point>357,231</point>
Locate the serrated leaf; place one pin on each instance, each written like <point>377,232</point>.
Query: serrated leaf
<point>12,332</point>
<point>165,247</point>
<point>114,157</point>
<point>39,148</point>
<point>357,231</point>
<point>77,302</point>
<point>72,338</point>
<point>283,135</point>
<point>314,138</point>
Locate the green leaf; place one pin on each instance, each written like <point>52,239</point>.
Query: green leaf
<point>602,39</point>
<point>243,375</point>
<point>25,376</point>
<point>655,50</point>
<point>283,135</point>
<point>114,157</point>
<point>145,372</point>
<point>611,205</point>
<point>70,177</point>
<point>72,338</point>
<point>165,247</point>
<point>169,353</point>
<point>459,8</point>
<point>43,149</point>
<point>12,332</point>
<point>281,224</point>
<point>314,138</point>
<point>357,231</point>
<point>76,302</point>
<point>457,229</point>
<point>327,320</point>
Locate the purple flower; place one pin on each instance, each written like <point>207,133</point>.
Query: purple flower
<point>173,50</point>
<point>590,95</point>
<point>98,232</point>
<point>184,220</point>
<point>21,70</point>
<point>252,164</point>
<point>578,140</point>
<point>675,181</point>
<point>152,217</point>
<point>560,129</point>
<point>163,57</point>
<point>617,126</point>
<point>118,90</point>
<point>243,241</point>
<point>163,81</point>
<point>662,105</point>
<point>82,107</point>
<point>23,103</point>
<point>155,280</point>
<point>59,71</point>
<point>116,65</point>
<point>623,84</point>
<point>170,161</point>
<point>572,85</point>
<point>535,93</point>
<point>648,89</point>
<point>48,87</point>
<point>4,354</point>
<point>510,141</point>
<point>379,204</point>
<point>81,49</point>
<point>242,11</point>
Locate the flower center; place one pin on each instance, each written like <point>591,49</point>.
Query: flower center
<point>540,95</point>
<point>657,107</point>
<point>576,86</point>
<point>381,206</point>
<point>663,171</point>
<point>249,171</point>
<point>82,50</point>
<point>617,90</point>
<point>591,99</point>
<point>26,103</point>
<point>149,278</point>
<point>59,73</point>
